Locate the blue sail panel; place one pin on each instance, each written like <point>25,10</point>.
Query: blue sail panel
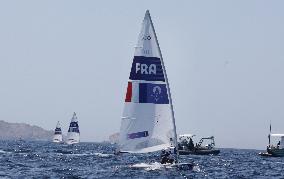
<point>147,68</point>
<point>74,127</point>
<point>147,93</point>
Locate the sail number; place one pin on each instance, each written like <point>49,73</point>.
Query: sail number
<point>145,69</point>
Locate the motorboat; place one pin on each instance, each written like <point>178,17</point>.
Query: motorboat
<point>206,145</point>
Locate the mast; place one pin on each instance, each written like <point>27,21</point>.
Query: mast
<point>269,134</point>
<point>58,124</point>
<point>168,87</point>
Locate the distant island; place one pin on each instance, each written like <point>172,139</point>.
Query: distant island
<point>15,131</point>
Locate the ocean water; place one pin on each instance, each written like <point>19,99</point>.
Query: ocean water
<point>24,159</point>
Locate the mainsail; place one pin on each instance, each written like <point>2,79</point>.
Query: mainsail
<point>57,137</point>
<point>73,135</point>
<point>148,120</point>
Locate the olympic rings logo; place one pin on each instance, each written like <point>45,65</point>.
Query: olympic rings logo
<point>146,37</point>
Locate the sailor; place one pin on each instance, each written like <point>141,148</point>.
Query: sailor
<point>117,152</point>
<point>166,157</point>
<point>180,147</point>
<point>171,160</point>
<point>190,144</point>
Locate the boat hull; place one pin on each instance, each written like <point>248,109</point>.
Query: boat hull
<point>73,138</point>
<point>199,152</point>
<point>265,154</point>
<point>184,166</point>
<point>276,152</point>
<point>56,141</point>
<point>70,141</point>
<point>57,138</point>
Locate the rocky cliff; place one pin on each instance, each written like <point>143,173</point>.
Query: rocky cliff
<point>14,131</point>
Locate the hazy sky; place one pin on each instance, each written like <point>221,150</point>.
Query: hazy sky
<point>224,61</point>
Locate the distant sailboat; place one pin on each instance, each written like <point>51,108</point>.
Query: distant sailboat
<point>57,137</point>
<point>114,138</point>
<point>73,135</point>
<point>148,122</point>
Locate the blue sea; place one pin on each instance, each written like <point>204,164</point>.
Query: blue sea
<point>25,159</point>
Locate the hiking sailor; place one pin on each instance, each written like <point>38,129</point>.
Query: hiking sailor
<point>166,157</point>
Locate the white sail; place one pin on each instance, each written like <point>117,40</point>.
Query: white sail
<point>114,138</point>
<point>57,137</point>
<point>73,135</point>
<point>147,123</point>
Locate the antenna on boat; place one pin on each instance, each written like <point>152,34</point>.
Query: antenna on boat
<point>269,134</point>
<point>168,88</point>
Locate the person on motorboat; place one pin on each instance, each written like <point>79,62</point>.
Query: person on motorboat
<point>190,144</point>
<point>278,144</point>
<point>166,157</point>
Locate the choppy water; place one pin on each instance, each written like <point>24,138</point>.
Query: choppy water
<point>20,159</point>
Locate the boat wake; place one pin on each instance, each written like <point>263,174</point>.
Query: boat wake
<point>159,166</point>
<point>196,168</point>
<point>103,155</point>
<point>149,167</point>
<point>89,154</point>
<point>4,152</point>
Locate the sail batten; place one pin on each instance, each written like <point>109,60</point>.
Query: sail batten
<point>147,123</point>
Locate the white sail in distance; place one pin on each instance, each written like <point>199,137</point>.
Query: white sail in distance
<point>57,137</point>
<point>114,138</point>
<point>73,135</point>
<point>147,123</point>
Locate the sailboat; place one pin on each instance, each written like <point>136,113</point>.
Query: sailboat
<point>73,135</point>
<point>274,150</point>
<point>114,138</point>
<point>57,137</point>
<point>148,122</point>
